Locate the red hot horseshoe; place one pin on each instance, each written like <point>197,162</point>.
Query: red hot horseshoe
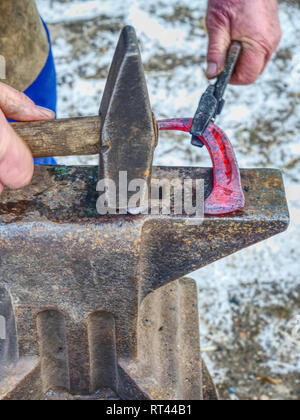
<point>227,194</point>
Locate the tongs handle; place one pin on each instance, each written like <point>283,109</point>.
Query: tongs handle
<point>224,78</point>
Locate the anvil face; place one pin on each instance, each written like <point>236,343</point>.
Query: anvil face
<point>58,254</point>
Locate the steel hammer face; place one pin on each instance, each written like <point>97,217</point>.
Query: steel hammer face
<point>128,134</point>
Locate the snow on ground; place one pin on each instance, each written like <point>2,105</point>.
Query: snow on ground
<point>249,302</point>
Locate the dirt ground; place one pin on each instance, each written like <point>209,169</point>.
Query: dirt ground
<point>248,303</point>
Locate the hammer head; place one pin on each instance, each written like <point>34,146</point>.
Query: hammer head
<point>128,135</point>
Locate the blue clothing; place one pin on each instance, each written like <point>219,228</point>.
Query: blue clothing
<point>43,92</point>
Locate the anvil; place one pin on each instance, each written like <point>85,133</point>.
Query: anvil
<point>95,303</point>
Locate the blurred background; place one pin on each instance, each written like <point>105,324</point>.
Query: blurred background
<point>249,303</point>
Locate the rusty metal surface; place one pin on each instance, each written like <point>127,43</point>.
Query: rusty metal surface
<point>83,278</point>
<point>128,137</point>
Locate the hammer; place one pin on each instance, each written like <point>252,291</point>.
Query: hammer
<point>124,134</point>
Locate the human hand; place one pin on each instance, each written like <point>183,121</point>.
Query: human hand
<point>255,23</point>
<point>16,162</point>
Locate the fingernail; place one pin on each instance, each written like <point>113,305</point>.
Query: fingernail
<point>211,70</point>
<point>46,112</point>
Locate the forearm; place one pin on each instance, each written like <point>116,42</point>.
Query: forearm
<point>23,42</point>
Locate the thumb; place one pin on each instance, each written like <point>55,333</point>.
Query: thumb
<point>219,42</point>
<point>16,163</point>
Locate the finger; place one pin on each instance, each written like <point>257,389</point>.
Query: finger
<point>250,65</point>
<point>16,162</point>
<point>17,106</point>
<point>219,42</point>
